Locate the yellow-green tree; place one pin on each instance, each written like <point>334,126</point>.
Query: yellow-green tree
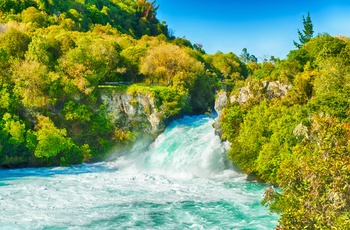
<point>34,17</point>
<point>15,42</point>
<point>168,64</point>
<point>32,81</point>
<point>52,142</point>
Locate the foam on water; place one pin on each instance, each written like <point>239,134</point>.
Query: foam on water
<point>188,148</point>
<point>182,181</point>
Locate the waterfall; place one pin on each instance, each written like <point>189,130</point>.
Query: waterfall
<point>187,148</point>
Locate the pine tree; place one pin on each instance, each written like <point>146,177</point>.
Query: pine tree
<point>307,33</point>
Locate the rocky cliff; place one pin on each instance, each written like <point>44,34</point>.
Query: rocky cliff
<point>137,113</point>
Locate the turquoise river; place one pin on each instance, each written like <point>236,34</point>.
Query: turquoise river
<point>181,181</point>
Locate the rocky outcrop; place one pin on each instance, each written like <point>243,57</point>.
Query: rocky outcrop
<point>137,113</point>
<point>220,103</point>
<point>261,90</point>
<point>258,90</point>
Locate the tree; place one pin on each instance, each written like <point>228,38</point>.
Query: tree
<point>34,17</point>
<point>31,83</point>
<point>38,51</point>
<point>245,57</point>
<point>15,43</point>
<point>51,140</point>
<point>303,86</point>
<point>13,152</point>
<point>93,59</point>
<point>131,60</point>
<point>146,9</point>
<point>168,64</point>
<point>14,128</point>
<point>331,88</point>
<point>228,66</point>
<point>307,33</point>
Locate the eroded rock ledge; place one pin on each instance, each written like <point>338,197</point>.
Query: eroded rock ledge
<point>135,112</point>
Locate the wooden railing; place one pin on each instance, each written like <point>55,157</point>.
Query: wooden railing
<point>115,83</point>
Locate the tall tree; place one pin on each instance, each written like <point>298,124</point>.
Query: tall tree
<point>147,9</point>
<point>307,33</point>
<point>246,57</point>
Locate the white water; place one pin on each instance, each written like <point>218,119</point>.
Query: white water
<point>182,181</point>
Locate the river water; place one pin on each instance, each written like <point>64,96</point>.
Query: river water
<point>182,181</point>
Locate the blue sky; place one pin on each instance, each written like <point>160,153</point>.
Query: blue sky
<point>265,28</point>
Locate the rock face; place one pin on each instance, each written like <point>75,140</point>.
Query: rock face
<point>268,90</point>
<point>259,90</point>
<point>220,103</point>
<point>137,113</point>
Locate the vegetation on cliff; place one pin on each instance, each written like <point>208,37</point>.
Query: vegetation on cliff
<point>300,141</point>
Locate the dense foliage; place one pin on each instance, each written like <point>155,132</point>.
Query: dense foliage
<point>136,18</point>
<point>299,142</point>
<point>55,55</point>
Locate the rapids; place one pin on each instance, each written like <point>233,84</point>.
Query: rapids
<point>182,180</point>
